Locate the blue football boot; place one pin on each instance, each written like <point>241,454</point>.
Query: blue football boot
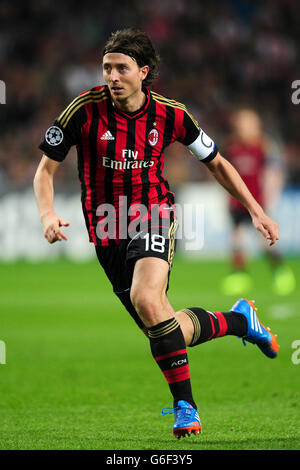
<point>187,420</point>
<point>256,332</point>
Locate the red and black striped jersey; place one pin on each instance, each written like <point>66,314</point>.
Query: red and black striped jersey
<point>120,154</point>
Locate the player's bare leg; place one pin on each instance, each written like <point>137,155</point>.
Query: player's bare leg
<point>148,291</point>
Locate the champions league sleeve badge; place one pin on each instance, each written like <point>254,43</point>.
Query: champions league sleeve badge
<point>54,135</point>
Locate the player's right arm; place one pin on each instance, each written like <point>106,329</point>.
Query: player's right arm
<point>58,139</point>
<point>44,194</point>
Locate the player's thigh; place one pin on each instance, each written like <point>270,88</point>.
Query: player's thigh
<point>152,255</point>
<point>148,290</point>
<point>151,274</point>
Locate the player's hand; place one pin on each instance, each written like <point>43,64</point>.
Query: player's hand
<point>51,227</point>
<point>266,226</point>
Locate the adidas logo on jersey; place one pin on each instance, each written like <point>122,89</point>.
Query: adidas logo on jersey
<point>107,136</point>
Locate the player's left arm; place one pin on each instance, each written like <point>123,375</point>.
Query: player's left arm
<point>229,178</point>
<point>206,151</point>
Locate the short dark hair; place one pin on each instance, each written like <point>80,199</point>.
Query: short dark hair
<point>136,44</point>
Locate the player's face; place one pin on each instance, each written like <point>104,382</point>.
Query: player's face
<point>123,75</point>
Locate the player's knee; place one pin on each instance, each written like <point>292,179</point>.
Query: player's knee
<point>147,304</point>
<point>144,301</point>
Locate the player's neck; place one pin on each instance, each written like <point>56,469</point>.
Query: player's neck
<point>132,103</point>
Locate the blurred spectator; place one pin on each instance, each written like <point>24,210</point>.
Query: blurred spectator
<point>257,158</point>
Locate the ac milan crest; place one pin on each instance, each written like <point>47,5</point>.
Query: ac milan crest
<point>153,137</point>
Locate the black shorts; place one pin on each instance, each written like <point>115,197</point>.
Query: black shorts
<point>239,217</point>
<point>157,240</point>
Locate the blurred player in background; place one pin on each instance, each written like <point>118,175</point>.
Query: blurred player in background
<point>121,131</point>
<point>257,159</point>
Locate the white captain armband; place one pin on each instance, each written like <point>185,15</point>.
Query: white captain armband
<point>203,147</point>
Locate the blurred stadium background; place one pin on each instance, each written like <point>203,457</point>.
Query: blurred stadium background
<point>215,56</point>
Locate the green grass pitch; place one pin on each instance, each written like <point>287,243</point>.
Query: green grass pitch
<point>80,375</point>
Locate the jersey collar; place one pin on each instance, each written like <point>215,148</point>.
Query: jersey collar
<point>139,112</point>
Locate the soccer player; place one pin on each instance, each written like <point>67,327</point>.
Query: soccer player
<point>256,157</point>
<point>121,131</point>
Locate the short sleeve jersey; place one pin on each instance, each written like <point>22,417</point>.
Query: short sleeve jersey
<point>120,154</point>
